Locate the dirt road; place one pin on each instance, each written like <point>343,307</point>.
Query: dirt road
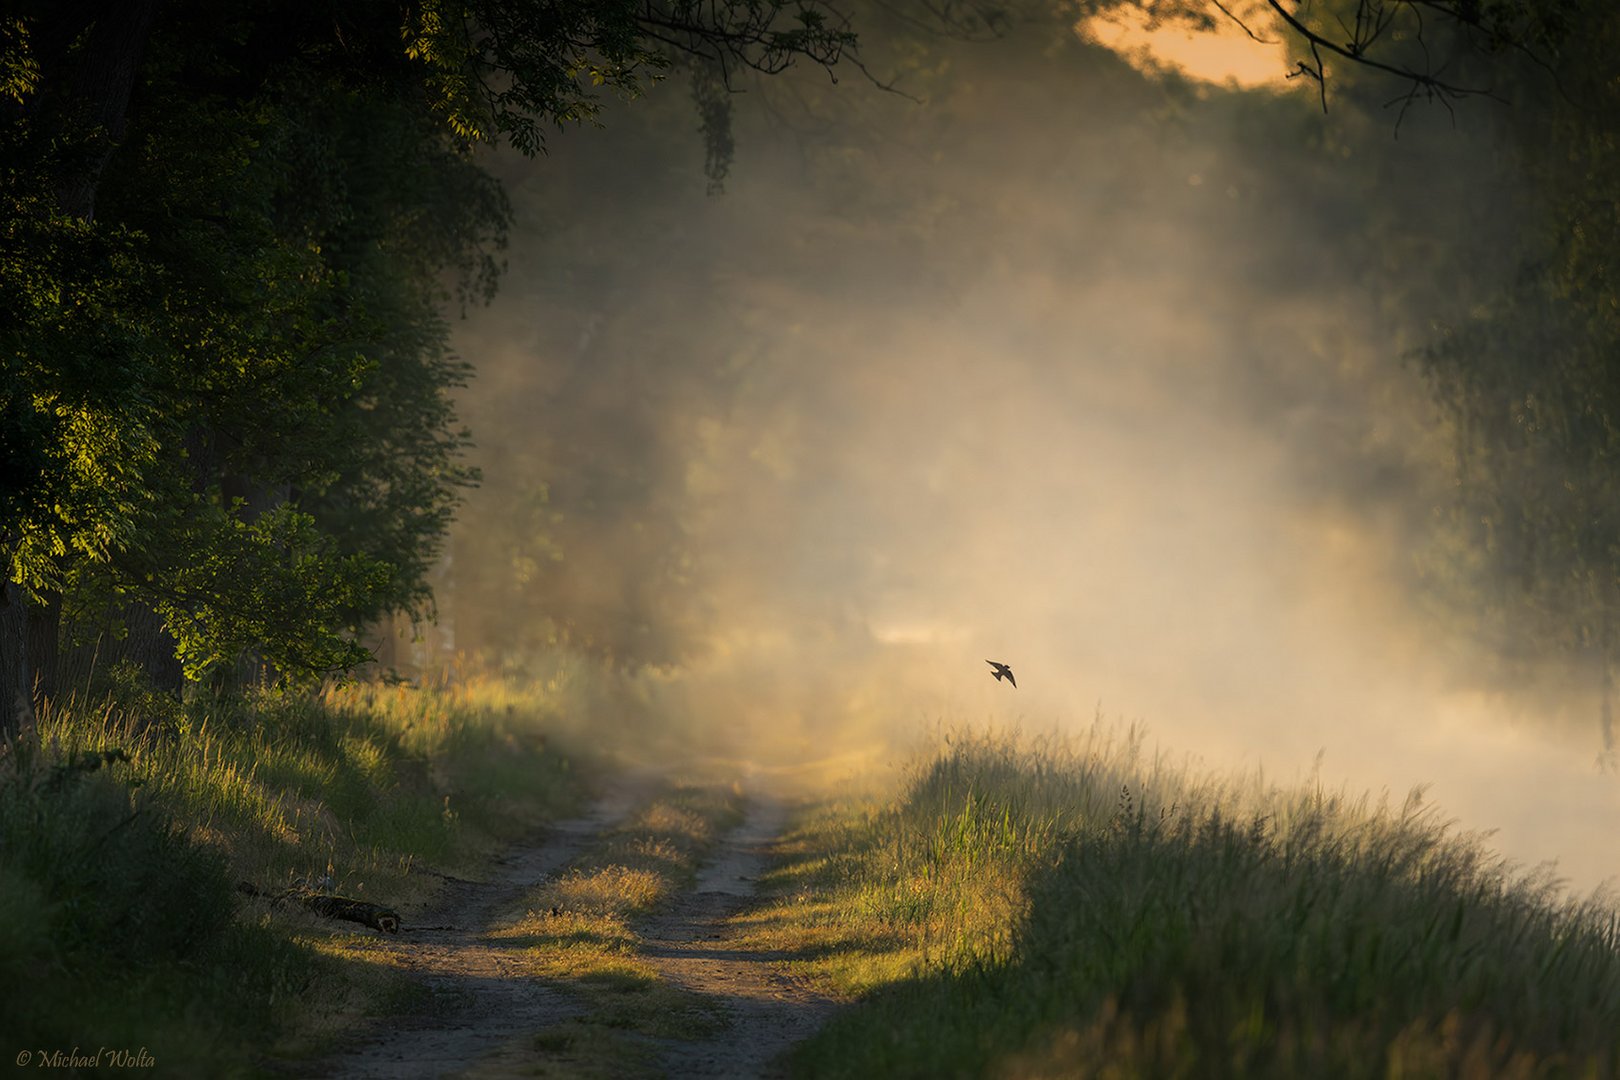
<point>693,947</point>
<point>488,1006</point>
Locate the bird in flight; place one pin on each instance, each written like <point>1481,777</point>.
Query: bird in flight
<point>1002,671</point>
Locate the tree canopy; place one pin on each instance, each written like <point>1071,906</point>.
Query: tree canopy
<point>233,234</point>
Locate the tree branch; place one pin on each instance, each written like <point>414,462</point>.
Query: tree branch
<point>1425,82</point>
<point>1230,14</point>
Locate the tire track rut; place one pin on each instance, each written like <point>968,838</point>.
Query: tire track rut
<point>693,947</point>
<point>489,997</point>
<point>488,1004</point>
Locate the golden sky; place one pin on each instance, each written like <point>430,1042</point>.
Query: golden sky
<point>1223,55</point>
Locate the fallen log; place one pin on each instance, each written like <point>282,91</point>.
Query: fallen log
<point>328,906</point>
<point>341,907</point>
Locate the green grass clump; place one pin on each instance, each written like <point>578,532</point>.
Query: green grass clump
<point>1074,910</point>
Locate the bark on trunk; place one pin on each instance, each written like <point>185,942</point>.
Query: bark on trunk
<point>90,55</point>
<point>148,644</point>
<point>1607,757</point>
<point>90,91</point>
<point>45,649</point>
<point>16,689</point>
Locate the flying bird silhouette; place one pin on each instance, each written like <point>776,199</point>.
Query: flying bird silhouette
<point>1002,671</point>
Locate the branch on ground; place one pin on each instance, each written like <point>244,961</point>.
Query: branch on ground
<point>328,906</point>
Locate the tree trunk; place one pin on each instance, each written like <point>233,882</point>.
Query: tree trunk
<point>90,55</point>
<point>87,93</point>
<point>387,651</point>
<point>1606,757</point>
<point>148,644</point>
<point>16,690</point>
<point>45,649</point>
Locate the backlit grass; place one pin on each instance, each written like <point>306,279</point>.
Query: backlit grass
<point>117,885</point>
<point>359,784</point>
<point>1075,909</point>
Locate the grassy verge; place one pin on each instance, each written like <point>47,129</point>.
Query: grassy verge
<point>117,883</point>
<point>578,930</point>
<point>1072,909</point>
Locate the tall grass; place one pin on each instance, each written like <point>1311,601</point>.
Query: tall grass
<point>120,922</point>
<point>357,784</point>
<point>1075,908</point>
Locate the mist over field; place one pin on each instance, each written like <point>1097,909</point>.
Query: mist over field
<point>1095,372</point>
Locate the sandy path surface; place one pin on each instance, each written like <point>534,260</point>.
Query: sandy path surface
<point>487,1005</point>
<point>482,985</point>
<point>691,946</point>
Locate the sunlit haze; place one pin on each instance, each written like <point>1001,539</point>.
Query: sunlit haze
<point>1054,366</point>
<point>1224,52</point>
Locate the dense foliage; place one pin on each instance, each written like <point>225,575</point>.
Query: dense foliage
<point>232,235</point>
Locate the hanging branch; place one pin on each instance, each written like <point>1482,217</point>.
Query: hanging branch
<point>1393,37</point>
<point>1373,20</point>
